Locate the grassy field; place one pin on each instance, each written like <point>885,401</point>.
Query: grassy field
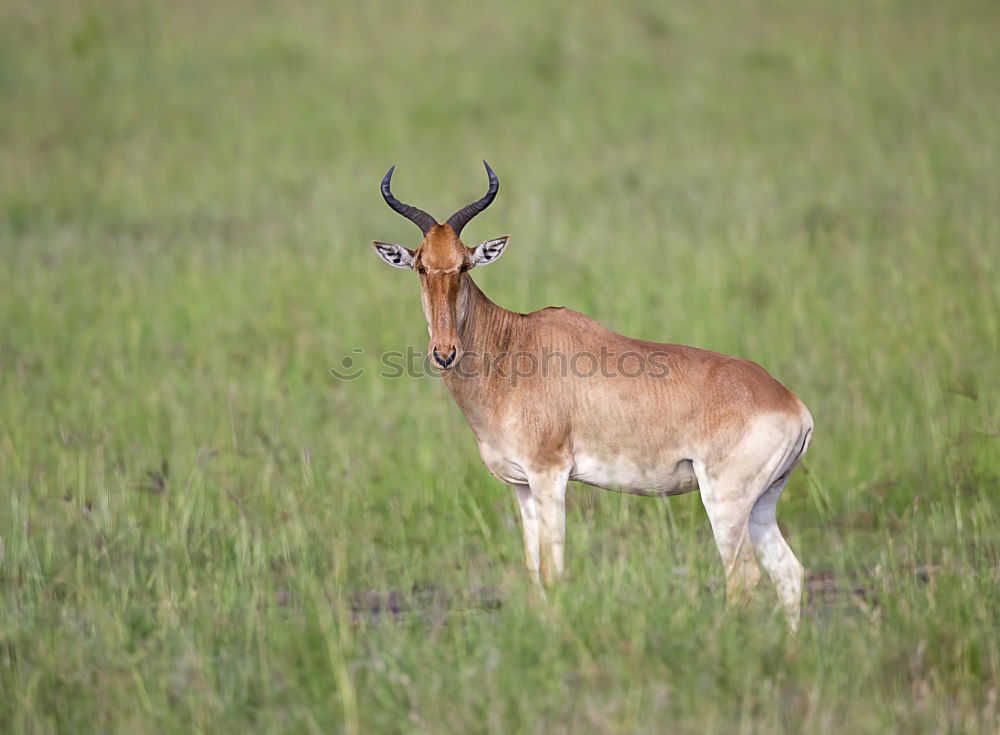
<point>202,530</point>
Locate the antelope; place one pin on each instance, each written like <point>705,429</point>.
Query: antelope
<point>690,419</point>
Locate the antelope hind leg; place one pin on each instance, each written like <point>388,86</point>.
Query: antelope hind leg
<point>776,557</point>
<point>728,511</point>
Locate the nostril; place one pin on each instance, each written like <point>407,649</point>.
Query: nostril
<point>444,361</point>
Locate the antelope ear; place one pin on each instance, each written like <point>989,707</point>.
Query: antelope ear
<point>395,255</point>
<point>489,250</point>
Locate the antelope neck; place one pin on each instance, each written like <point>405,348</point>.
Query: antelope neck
<point>485,327</point>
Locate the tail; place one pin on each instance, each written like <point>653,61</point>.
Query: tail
<point>807,430</point>
<point>798,450</point>
<point>805,439</point>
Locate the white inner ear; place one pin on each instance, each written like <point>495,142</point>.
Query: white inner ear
<point>489,250</point>
<point>395,255</point>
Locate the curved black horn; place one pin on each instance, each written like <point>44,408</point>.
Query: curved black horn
<point>461,218</point>
<point>417,216</point>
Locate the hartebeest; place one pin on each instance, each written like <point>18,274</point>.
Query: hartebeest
<point>554,396</point>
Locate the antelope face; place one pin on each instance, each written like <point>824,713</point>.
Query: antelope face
<point>442,261</point>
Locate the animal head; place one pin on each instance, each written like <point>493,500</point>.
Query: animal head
<point>442,261</point>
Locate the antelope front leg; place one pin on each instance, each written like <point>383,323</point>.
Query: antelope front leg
<point>529,528</point>
<point>549,492</point>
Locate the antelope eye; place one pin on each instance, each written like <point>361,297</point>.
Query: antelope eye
<point>463,269</point>
<point>421,270</point>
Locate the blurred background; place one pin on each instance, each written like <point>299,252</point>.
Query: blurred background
<point>204,529</point>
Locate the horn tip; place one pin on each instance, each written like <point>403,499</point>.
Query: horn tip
<point>385,181</point>
<point>494,182</point>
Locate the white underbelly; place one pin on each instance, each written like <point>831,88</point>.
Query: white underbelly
<point>662,476</point>
<point>625,474</point>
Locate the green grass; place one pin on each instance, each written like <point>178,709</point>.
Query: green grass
<point>193,506</point>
